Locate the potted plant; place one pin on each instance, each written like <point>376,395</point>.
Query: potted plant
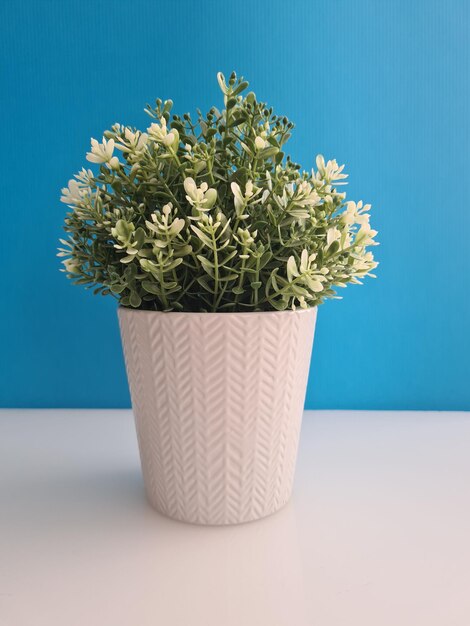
<point>219,249</point>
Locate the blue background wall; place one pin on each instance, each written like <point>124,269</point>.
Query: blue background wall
<point>381,86</point>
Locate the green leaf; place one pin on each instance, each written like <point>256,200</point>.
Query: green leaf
<point>151,287</point>
<point>204,282</point>
<point>273,280</point>
<point>117,288</point>
<point>228,278</point>
<point>201,236</point>
<point>207,265</point>
<point>241,87</point>
<point>237,120</point>
<point>265,258</point>
<point>280,305</point>
<point>139,237</point>
<point>266,153</point>
<point>221,81</point>
<point>135,300</point>
<point>333,248</point>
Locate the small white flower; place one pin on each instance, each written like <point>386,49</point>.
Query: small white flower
<point>202,197</point>
<point>134,144</point>
<point>161,134</point>
<point>242,200</point>
<point>158,132</point>
<point>77,189</point>
<point>245,237</point>
<point>356,214</point>
<point>71,266</point>
<point>307,274</point>
<point>365,263</point>
<point>332,234</point>
<point>72,193</point>
<point>101,152</point>
<point>306,195</point>
<point>84,177</point>
<point>365,236</point>
<point>329,171</point>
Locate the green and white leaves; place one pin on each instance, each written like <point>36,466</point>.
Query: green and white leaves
<point>209,215</point>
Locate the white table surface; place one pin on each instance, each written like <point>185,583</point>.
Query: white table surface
<point>377,533</point>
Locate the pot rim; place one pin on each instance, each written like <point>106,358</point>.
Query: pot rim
<point>126,310</point>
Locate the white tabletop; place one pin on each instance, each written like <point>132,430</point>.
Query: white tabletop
<point>377,533</point>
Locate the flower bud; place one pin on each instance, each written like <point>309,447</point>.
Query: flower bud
<point>260,143</point>
<point>172,139</point>
<point>211,198</point>
<point>114,163</point>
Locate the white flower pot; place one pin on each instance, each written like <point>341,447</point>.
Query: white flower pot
<point>218,401</point>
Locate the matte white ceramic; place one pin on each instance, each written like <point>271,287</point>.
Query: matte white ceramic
<point>218,401</point>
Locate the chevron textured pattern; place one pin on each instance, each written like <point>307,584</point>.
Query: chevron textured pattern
<point>218,401</point>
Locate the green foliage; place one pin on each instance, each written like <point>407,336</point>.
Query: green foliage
<point>210,215</point>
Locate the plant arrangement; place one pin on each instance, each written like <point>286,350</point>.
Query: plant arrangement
<point>211,215</point>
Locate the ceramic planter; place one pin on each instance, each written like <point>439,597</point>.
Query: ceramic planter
<point>218,401</point>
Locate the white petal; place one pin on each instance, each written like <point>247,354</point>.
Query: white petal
<point>189,186</point>
<point>94,158</point>
<point>292,270</point>
<point>304,261</point>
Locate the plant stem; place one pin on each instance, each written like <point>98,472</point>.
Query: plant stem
<point>256,289</point>
<point>216,271</point>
